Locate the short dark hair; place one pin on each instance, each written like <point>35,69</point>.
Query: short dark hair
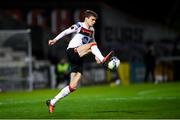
<point>89,13</point>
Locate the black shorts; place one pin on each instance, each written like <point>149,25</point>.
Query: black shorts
<point>76,62</point>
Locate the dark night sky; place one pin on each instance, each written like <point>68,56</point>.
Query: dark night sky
<point>150,9</point>
<point>165,12</point>
<point>141,8</point>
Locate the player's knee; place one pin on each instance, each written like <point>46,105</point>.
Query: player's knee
<point>93,44</point>
<point>75,78</point>
<point>72,88</point>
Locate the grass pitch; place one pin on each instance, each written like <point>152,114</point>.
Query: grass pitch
<point>145,101</point>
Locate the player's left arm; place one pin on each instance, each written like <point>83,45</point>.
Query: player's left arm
<point>68,31</point>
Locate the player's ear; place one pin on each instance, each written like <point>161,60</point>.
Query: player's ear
<point>86,18</point>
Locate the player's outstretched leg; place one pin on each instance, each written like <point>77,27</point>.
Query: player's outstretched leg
<point>107,57</point>
<point>64,92</point>
<point>75,78</point>
<point>50,106</point>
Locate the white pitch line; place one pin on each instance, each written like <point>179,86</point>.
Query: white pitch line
<point>141,98</point>
<point>105,99</point>
<point>146,92</point>
<point>20,102</point>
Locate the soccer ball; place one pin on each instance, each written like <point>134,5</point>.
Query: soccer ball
<point>113,63</point>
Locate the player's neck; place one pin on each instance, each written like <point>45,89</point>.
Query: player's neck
<point>87,26</point>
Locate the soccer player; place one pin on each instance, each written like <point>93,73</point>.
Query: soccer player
<point>81,44</point>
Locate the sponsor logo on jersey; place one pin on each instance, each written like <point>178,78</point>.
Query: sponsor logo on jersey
<point>86,32</point>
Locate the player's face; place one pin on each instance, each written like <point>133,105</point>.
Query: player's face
<point>91,20</point>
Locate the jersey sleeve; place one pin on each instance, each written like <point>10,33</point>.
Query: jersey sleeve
<point>72,29</point>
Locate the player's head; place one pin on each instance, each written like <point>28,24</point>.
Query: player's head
<point>90,17</point>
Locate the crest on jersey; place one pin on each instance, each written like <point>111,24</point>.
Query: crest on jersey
<point>85,40</point>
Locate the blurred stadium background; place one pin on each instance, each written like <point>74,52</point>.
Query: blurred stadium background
<point>127,27</point>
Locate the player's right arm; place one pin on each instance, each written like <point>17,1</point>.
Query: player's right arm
<point>68,31</point>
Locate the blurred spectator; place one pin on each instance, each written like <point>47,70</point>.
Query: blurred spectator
<point>150,62</point>
<point>62,72</point>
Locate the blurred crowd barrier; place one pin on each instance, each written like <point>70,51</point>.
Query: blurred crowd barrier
<point>15,77</point>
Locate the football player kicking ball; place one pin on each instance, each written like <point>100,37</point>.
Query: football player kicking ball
<point>82,43</point>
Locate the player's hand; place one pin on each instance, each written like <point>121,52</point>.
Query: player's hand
<point>51,42</point>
